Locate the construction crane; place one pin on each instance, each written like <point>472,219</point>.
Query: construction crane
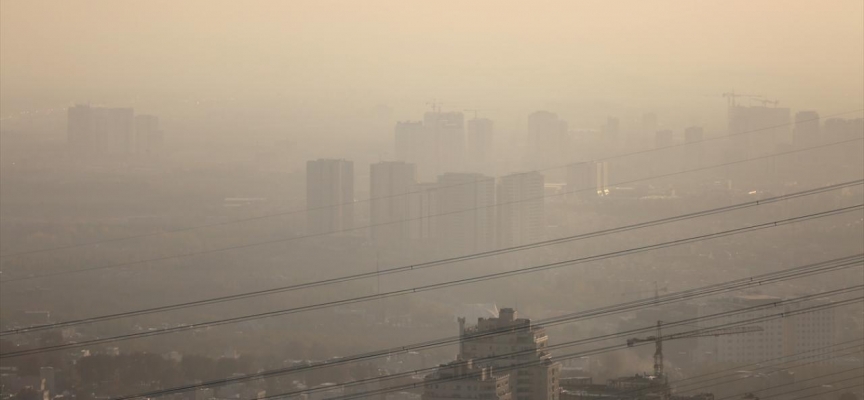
<point>731,96</point>
<point>658,339</point>
<point>766,102</point>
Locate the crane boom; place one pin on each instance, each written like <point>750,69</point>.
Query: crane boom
<point>658,339</point>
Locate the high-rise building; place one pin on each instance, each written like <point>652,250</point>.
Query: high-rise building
<point>551,142</point>
<point>521,218</point>
<point>447,133</point>
<point>461,379</point>
<point>793,334</point>
<point>422,210</point>
<point>329,195</point>
<point>513,344</point>
<point>148,136</point>
<point>806,132</point>
<point>480,145</point>
<point>389,187</point>
<point>100,129</point>
<point>466,203</point>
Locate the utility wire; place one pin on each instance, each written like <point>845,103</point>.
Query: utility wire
<point>283,371</point>
<point>237,221</point>
<point>801,381</point>
<point>442,285</point>
<point>565,357</point>
<point>414,267</point>
<point>293,238</point>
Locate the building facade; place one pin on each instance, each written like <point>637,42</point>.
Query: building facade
<point>521,217</point>
<point>515,345</point>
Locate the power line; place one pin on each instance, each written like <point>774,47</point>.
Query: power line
<point>283,371</point>
<point>565,357</point>
<point>442,285</point>
<point>801,381</point>
<point>821,360</point>
<point>824,393</point>
<point>282,240</point>
<point>419,266</point>
<point>196,227</point>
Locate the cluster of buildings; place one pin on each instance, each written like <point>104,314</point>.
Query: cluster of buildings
<point>503,358</point>
<point>117,131</point>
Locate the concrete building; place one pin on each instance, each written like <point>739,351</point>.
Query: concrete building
<point>389,187</point>
<point>780,337</point>
<point>329,195</point>
<point>480,145</point>
<point>447,133</point>
<point>551,139</point>
<point>515,345</point>
<point>521,217</point>
<point>465,202</point>
<point>461,379</point>
<point>422,210</point>
<point>100,130</point>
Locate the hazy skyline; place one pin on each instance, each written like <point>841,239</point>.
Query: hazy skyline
<point>305,64</point>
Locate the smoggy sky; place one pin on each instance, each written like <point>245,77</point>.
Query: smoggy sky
<point>277,59</point>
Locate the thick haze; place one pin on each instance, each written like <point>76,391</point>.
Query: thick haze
<point>307,197</point>
<point>292,67</point>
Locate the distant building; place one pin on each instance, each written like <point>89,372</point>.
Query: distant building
<point>389,187</point>
<point>447,131</point>
<point>461,379</point>
<point>100,130</point>
<point>779,338</point>
<point>465,202</point>
<point>329,195</point>
<point>422,209</point>
<point>480,145</point>
<point>148,136</point>
<point>520,349</point>
<point>588,180</point>
<point>551,142</point>
<point>520,200</point>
